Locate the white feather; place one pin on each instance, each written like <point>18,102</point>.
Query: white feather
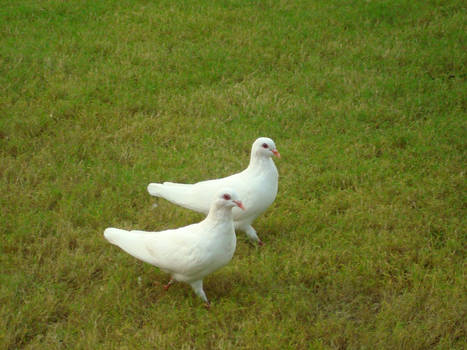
<point>256,185</point>
<point>188,253</point>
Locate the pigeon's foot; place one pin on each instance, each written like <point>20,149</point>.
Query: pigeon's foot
<point>260,243</point>
<point>167,286</point>
<point>207,305</point>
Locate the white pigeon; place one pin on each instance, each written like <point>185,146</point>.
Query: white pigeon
<point>256,185</point>
<point>188,253</point>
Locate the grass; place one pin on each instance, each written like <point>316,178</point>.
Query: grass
<point>366,101</point>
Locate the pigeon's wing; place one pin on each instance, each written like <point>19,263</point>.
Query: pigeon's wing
<point>197,197</point>
<point>176,250</point>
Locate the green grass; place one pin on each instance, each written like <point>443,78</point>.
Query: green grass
<point>366,101</point>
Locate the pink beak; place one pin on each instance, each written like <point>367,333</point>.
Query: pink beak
<point>239,204</point>
<point>276,153</point>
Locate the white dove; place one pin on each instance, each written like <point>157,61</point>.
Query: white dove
<point>256,185</point>
<point>188,253</point>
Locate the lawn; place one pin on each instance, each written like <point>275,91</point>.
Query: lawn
<point>365,245</point>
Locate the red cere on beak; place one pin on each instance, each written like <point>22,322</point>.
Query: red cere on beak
<point>276,153</point>
<point>239,204</point>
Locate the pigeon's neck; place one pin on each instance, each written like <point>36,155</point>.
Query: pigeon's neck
<point>219,214</point>
<point>260,163</point>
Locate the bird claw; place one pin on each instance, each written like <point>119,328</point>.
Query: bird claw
<point>260,243</point>
<point>207,305</point>
<point>167,286</point>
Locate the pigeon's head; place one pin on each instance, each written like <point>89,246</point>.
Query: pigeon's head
<point>227,197</point>
<point>265,147</point>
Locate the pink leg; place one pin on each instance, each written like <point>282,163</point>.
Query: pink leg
<point>167,286</point>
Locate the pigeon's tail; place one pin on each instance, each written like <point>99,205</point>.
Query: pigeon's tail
<point>113,234</point>
<point>185,195</point>
<point>156,190</point>
<point>133,242</point>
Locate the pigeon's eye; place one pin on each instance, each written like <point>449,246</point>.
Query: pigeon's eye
<point>226,196</point>
<point>265,145</point>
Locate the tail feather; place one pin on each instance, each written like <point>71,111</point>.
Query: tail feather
<point>154,189</point>
<point>185,195</point>
<point>132,242</point>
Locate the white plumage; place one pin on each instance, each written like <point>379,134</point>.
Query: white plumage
<point>256,185</point>
<point>188,253</point>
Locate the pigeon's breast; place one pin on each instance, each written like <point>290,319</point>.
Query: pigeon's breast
<point>258,195</point>
<point>214,252</point>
